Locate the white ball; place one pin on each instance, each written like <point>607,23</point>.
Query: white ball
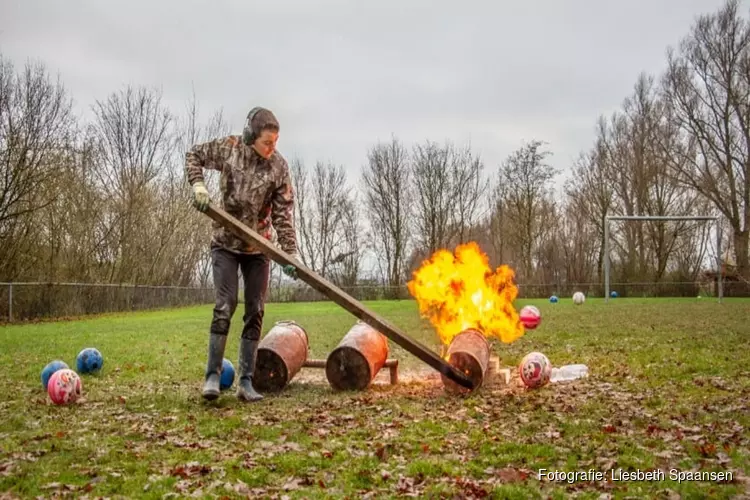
<point>579,298</point>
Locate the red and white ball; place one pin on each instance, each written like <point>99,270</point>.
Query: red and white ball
<point>530,317</point>
<point>64,387</point>
<point>535,370</point>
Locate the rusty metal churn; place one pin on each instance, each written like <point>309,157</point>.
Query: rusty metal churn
<point>281,354</point>
<point>469,351</point>
<point>358,358</point>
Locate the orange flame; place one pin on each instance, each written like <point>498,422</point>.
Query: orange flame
<point>460,291</point>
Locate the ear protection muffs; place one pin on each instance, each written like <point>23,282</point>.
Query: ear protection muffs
<point>248,137</point>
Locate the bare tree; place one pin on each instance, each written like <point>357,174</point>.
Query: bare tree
<point>497,222</point>
<point>528,179</point>
<point>321,206</point>
<point>308,252</point>
<point>195,248</point>
<point>35,121</point>
<point>350,257</point>
<point>435,200</point>
<point>448,192</point>
<point>386,180</point>
<point>707,86</point>
<point>75,222</point>
<point>631,159</point>
<point>331,196</point>
<point>468,190</point>
<point>579,240</point>
<point>591,196</point>
<point>135,140</point>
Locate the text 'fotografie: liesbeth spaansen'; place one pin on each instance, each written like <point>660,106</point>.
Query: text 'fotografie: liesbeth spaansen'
<point>633,475</point>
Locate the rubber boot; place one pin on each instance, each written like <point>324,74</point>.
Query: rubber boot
<point>216,345</point>
<point>248,353</point>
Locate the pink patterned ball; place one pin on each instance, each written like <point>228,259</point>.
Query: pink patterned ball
<point>535,370</point>
<point>64,387</point>
<point>530,317</point>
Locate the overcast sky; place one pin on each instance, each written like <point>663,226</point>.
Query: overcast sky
<point>341,75</point>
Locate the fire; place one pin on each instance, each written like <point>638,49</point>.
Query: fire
<point>460,291</point>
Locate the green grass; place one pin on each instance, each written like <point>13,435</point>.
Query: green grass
<point>669,389</point>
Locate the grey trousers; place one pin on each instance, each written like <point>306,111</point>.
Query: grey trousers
<point>255,273</point>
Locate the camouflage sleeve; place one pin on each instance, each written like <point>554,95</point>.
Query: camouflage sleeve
<point>283,213</point>
<point>200,156</point>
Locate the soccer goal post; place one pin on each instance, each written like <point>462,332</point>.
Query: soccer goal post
<point>704,218</point>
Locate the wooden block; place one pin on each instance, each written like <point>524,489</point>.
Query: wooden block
<point>494,365</point>
<point>503,376</point>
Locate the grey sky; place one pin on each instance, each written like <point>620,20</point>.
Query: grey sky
<point>341,75</point>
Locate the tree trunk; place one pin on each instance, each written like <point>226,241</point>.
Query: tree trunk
<point>741,240</point>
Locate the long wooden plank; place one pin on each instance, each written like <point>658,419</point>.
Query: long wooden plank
<point>341,298</point>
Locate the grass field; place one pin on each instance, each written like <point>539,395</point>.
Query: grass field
<point>669,389</point>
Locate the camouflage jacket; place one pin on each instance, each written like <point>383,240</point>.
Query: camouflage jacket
<point>256,191</point>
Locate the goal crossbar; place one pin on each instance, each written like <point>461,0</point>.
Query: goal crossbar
<point>703,218</point>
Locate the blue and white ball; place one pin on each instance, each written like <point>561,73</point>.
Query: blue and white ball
<point>227,375</point>
<point>89,360</point>
<point>51,368</point>
<point>553,299</point>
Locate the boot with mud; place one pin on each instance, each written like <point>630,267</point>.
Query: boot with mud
<point>248,354</point>
<point>216,345</point>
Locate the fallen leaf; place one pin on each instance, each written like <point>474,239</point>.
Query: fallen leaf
<point>707,449</point>
<point>381,453</point>
<point>551,434</point>
<point>292,484</point>
<point>190,470</point>
<point>512,475</point>
<point>183,485</point>
<point>672,494</point>
<point>653,429</point>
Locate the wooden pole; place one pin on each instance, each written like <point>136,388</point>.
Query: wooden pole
<point>340,297</point>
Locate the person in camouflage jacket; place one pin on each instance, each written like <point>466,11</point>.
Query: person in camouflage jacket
<point>256,188</point>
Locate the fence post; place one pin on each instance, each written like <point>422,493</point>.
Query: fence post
<point>720,271</point>
<point>606,259</point>
<point>10,302</point>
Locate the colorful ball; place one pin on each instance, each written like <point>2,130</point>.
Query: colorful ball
<point>64,387</point>
<point>579,298</point>
<point>613,294</point>
<point>553,299</point>
<point>89,360</point>
<point>535,370</point>
<point>530,317</point>
<point>227,375</point>
<point>51,368</point>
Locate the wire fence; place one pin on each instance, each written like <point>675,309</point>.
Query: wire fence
<point>34,301</point>
<point>29,301</point>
